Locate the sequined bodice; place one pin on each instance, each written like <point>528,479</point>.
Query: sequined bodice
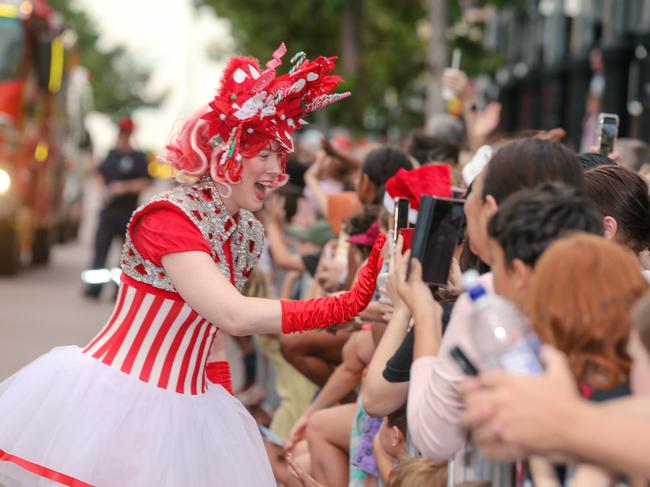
<point>202,204</point>
<point>153,334</point>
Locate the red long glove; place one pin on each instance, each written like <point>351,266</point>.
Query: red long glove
<point>219,373</point>
<point>323,312</point>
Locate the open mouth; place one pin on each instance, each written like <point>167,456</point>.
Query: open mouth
<point>261,187</point>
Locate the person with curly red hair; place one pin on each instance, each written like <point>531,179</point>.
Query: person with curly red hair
<point>140,405</point>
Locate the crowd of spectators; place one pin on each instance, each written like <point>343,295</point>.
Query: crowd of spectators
<point>563,236</point>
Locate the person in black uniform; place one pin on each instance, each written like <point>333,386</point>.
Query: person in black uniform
<point>124,176</point>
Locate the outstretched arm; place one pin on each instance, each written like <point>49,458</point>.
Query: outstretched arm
<point>200,283</point>
<point>381,397</point>
<point>205,289</point>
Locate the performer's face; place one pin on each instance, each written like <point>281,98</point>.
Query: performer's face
<point>259,175</point>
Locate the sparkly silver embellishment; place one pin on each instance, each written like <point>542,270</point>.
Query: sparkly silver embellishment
<point>211,218</point>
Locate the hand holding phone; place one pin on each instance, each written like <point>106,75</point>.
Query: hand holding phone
<point>415,293</point>
<point>607,132</point>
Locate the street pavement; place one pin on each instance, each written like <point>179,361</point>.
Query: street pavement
<point>43,308</point>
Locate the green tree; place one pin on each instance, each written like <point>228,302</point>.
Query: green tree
<point>119,82</point>
<point>382,46</point>
<point>379,53</point>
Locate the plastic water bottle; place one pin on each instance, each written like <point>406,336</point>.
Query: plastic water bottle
<point>502,334</point>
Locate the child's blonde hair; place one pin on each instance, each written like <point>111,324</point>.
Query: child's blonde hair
<point>419,471</point>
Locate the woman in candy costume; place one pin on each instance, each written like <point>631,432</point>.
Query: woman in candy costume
<point>139,406</point>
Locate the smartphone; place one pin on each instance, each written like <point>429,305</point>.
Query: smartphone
<point>457,192</point>
<point>400,216</point>
<point>271,436</point>
<point>607,132</point>
<point>465,364</point>
<point>437,233</point>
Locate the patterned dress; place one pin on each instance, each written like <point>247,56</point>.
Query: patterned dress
<point>133,407</point>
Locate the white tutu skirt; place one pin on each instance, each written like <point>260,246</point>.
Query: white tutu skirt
<point>69,419</point>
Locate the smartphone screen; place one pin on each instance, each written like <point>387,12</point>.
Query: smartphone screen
<point>400,216</point>
<point>434,242</point>
<point>607,132</point>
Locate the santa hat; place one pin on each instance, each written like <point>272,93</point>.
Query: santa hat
<point>432,180</point>
<point>253,106</point>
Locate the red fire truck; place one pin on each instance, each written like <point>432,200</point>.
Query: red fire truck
<point>32,131</point>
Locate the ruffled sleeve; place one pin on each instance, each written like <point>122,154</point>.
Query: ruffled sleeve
<point>165,230</point>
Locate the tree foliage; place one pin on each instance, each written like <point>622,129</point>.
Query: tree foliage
<point>390,54</point>
<point>119,82</point>
<point>388,88</point>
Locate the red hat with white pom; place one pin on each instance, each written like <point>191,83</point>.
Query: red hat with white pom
<point>432,180</point>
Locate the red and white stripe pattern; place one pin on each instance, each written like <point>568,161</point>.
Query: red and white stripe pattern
<point>159,340</point>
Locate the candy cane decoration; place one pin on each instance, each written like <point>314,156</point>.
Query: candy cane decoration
<point>297,61</point>
<point>277,57</point>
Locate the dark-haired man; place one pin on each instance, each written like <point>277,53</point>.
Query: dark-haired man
<point>525,225</point>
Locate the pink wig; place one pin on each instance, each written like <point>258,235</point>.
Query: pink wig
<point>191,153</point>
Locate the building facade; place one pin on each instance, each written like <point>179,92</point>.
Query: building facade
<point>548,75</point>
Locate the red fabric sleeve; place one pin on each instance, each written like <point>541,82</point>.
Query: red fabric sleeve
<point>165,230</point>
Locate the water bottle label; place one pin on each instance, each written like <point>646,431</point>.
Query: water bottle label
<point>521,358</point>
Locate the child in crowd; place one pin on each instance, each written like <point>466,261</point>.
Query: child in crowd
<point>419,471</point>
<point>317,354</point>
<point>389,445</point>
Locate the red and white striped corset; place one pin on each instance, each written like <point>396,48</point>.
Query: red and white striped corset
<point>153,334</point>
<point>156,337</point>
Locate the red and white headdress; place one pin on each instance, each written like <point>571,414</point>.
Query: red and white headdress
<point>251,108</point>
<point>433,180</point>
